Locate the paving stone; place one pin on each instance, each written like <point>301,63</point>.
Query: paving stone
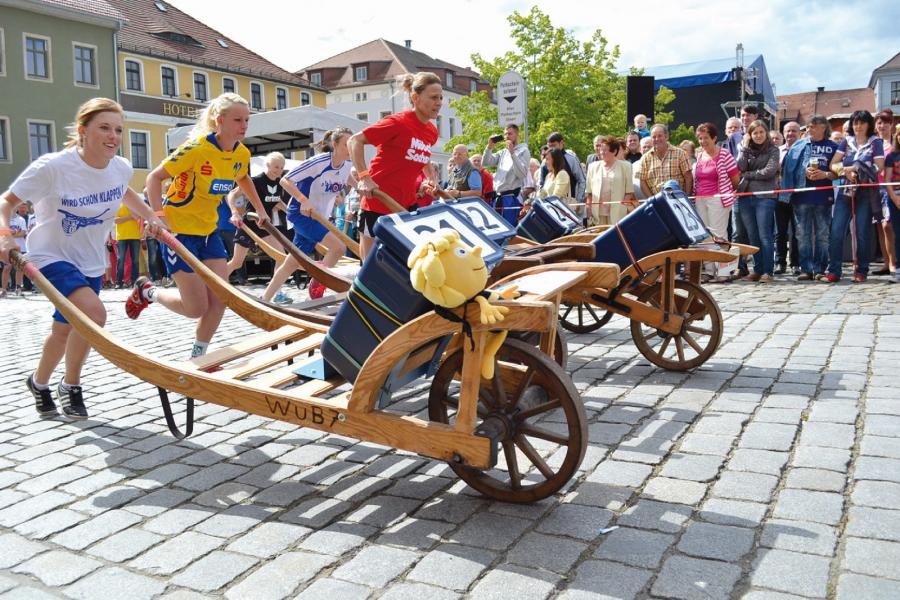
<point>877,468</point>
<point>693,578</point>
<point>874,523</point>
<point>792,572</point>
<point>157,502</point>
<point>268,539</point>
<point>721,542</point>
<point>179,519</point>
<point>337,538</point>
<point>674,490</point>
<point>603,580</point>
<point>57,568</point>
<point>874,445</point>
<point>806,537</point>
<point>634,547</point>
<point>833,459</point>
<point>176,553</point>
<point>376,565</point>
<point>451,566</point>
<point>701,443</point>
<point>334,589</point>
<point>381,511</point>
<point>95,529</point>
<point>788,416</point>
<point>886,425</point>
<point>453,508</point>
<point>619,473</point>
<point>758,461</point>
<point>417,591</point>
<point>284,493</point>
<point>870,557</point>
<point>511,581</point>
<point>125,545</point>
<point>768,436</point>
<point>44,526</point>
<point>33,507</point>
<point>860,587</point>
<point>316,512</point>
<point>115,583</point>
<point>279,577</point>
<point>214,571</point>
<point>693,467</point>
<point>414,533</point>
<point>546,552</point>
<point>599,495</point>
<point>880,494</point>
<point>805,505</point>
<point>649,514</point>
<point>828,435</point>
<point>210,477</point>
<point>754,487</point>
<point>816,479</point>
<point>495,532</point>
<point>575,520</point>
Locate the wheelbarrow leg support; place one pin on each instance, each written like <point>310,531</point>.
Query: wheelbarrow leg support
<point>170,418</point>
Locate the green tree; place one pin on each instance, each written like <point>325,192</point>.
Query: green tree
<point>573,86</point>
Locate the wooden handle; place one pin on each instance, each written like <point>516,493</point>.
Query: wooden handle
<point>273,253</point>
<point>389,202</point>
<point>348,241</point>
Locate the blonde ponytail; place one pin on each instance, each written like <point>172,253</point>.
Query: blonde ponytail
<point>206,120</point>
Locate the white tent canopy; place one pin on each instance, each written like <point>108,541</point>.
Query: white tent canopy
<point>289,130</point>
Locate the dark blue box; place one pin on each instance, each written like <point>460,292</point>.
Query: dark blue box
<point>547,220</point>
<point>485,219</point>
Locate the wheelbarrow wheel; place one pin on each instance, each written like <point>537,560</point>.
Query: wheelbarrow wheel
<point>582,317</point>
<point>560,346</point>
<point>532,409</point>
<point>700,333</point>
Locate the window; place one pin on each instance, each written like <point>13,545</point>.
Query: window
<point>280,98</point>
<point>5,154</point>
<point>222,42</point>
<point>40,136</point>
<point>37,57</point>
<point>361,73</point>
<point>438,125</point>
<point>315,78</point>
<point>201,90</point>
<point>473,86</point>
<point>385,113</point>
<point>133,78</point>
<point>363,116</point>
<point>449,79</point>
<point>256,97</point>
<point>895,94</point>
<point>139,144</point>
<point>85,64</point>
<point>304,99</point>
<point>228,85</point>
<point>452,122</point>
<point>2,53</point>
<point>169,82</point>
<point>362,96</point>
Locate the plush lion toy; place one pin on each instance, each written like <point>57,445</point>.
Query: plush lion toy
<point>449,273</point>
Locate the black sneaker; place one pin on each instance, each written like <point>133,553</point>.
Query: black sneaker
<point>43,400</point>
<point>72,401</point>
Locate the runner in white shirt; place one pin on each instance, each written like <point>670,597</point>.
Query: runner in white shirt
<point>19,227</point>
<point>314,185</point>
<point>75,194</point>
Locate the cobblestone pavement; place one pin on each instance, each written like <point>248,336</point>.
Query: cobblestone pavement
<point>771,472</point>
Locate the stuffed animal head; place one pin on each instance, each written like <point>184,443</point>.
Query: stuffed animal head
<point>446,270</point>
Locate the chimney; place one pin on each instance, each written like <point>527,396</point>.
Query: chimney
<point>821,88</point>
<point>407,43</point>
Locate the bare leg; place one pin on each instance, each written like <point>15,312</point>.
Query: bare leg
<point>189,300</point>
<point>336,249</point>
<point>366,243</point>
<point>237,259</point>
<point>890,260</point>
<point>63,341</point>
<point>282,272</point>
<point>212,316</point>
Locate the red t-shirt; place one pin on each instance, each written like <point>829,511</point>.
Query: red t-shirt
<point>487,184</point>
<point>404,147</point>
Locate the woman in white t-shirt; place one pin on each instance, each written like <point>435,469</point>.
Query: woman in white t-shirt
<point>75,194</point>
<point>314,186</point>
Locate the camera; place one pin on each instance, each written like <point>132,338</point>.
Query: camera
<point>496,138</point>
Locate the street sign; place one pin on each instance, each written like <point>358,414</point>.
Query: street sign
<point>512,102</point>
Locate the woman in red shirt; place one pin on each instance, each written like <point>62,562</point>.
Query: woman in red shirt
<point>403,142</point>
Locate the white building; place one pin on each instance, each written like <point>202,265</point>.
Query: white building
<point>885,81</point>
<point>362,84</point>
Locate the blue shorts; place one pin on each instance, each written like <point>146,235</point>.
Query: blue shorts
<point>204,247</point>
<point>66,278</point>
<point>307,233</point>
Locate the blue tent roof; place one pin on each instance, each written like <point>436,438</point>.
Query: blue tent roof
<point>706,72</point>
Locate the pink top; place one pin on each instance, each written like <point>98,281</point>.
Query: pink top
<point>706,178</point>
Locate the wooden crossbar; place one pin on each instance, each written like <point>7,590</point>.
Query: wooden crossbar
<point>248,346</point>
<point>264,360</point>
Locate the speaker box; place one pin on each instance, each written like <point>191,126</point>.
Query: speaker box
<point>638,98</point>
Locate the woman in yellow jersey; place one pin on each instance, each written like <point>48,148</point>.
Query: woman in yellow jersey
<point>203,170</point>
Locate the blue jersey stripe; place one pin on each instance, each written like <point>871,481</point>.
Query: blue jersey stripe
<point>309,163</point>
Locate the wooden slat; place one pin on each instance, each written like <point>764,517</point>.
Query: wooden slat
<point>248,346</point>
<point>264,359</point>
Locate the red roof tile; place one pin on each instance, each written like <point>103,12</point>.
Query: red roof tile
<point>799,107</point>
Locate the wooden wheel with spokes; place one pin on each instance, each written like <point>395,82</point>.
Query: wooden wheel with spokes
<point>582,317</point>
<point>560,347</point>
<point>532,409</point>
<point>700,333</point>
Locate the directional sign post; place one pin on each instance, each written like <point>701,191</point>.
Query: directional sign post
<point>512,100</point>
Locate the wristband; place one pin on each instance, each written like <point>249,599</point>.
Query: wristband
<point>362,174</point>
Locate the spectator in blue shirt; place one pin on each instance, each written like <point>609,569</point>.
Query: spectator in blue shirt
<point>463,180</point>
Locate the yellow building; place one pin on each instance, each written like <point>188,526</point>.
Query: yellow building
<point>170,65</point>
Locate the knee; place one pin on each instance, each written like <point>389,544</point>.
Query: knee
<point>97,314</point>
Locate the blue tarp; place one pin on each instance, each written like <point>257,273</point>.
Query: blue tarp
<point>706,72</point>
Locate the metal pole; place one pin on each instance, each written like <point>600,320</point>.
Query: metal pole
<point>525,91</point>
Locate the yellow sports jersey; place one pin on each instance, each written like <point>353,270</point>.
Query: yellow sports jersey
<point>201,174</point>
<point>127,230</point>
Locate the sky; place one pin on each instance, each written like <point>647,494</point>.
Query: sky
<point>805,43</point>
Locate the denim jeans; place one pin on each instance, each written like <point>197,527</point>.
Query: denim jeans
<point>813,226</point>
<point>738,231</point>
<point>840,223</point>
<point>895,223</point>
<point>758,217</point>
<point>134,246</point>
<point>154,260</point>
<point>785,235</point>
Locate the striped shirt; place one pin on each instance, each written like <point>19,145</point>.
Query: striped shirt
<point>655,171</point>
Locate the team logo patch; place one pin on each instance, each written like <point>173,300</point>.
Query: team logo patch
<point>220,186</point>
<point>72,222</point>
<point>206,170</point>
